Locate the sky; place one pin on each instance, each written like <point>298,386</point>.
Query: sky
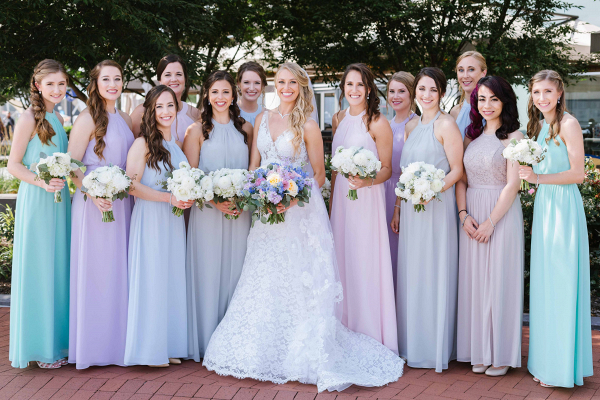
<point>589,13</point>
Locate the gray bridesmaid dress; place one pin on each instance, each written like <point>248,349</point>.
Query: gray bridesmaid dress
<point>426,298</point>
<point>216,246</point>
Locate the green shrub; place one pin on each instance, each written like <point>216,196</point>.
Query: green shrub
<point>7,233</point>
<point>8,186</point>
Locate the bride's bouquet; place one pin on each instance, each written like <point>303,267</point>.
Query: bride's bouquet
<point>525,152</point>
<point>109,182</point>
<point>355,161</point>
<point>271,185</point>
<point>419,183</point>
<point>187,183</point>
<point>58,165</point>
<point>228,185</point>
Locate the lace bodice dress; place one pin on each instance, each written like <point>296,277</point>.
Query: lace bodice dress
<point>281,324</point>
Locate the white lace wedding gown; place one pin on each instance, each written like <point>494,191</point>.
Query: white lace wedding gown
<point>281,324</point>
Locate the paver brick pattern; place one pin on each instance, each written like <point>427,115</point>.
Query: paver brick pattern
<point>191,380</point>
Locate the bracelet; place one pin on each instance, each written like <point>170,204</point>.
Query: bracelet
<point>464,219</point>
<point>538,180</point>
<point>396,206</point>
<point>170,198</point>
<point>492,222</point>
<point>462,211</point>
<point>372,180</point>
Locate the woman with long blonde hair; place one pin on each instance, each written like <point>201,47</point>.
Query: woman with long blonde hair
<point>470,68</point>
<point>560,342</point>
<point>39,312</point>
<point>282,324</point>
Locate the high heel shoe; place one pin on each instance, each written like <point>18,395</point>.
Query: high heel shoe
<point>493,371</point>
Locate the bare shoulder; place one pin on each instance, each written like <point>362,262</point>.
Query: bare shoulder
<point>139,146</point>
<point>194,129</point>
<point>517,135</point>
<point>260,116</point>
<point>60,118</point>
<point>311,129</point>
<point>126,117</point>
<point>139,110</point>
<point>570,123</point>
<point>445,121</point>
<point>339,116</point>
<point>247,127</point>
<point>27,117</point>
<point>193,112</point>
<point>455,111</point>
<point>379,122</point>
<point>412,124</point>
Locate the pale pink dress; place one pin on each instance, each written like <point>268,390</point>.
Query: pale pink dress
<point>362,247</point>
<point>184,120</point>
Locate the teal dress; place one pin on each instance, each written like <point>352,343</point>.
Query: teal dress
<point>560,337</point>
<point>39,312</point>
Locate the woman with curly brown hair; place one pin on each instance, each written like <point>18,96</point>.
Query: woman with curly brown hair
<point>101,136</point>
<point>217,245</point>
<point>39,316</point>
<point>157,316</point>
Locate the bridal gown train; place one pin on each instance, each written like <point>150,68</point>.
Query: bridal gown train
<point>282,324</point>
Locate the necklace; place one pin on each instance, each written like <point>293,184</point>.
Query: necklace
<point>282,115</point>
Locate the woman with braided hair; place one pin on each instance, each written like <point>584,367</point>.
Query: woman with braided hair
<point>39,317</point>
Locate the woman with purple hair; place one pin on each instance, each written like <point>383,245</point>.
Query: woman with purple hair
<point>490,281</point>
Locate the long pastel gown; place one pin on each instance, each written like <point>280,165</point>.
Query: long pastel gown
<point>427,265</point>
<point>184,120</point>
<point>560,342</point>
<point>362,246</point>
<point>463,120</point>
<point>216,245</point>
<point>250,117</point>
<point>39,309</point>
<point>157,315</point>
<point>98,309</point>
<point>490,275</point>
<point>282,324</point>
<point>390,186</point>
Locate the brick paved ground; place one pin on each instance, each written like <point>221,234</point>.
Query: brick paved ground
<point>190,380</point>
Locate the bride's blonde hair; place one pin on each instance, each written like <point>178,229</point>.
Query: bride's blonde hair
<point>303,107</point>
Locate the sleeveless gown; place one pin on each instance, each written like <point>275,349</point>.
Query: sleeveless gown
<point>250,117</point>
<point>157,314</point>
<point>281,324</point>
<point>390,186</point>
<point>362,246</point>
<point>560,342</point>
<point>39,309</point>
<point>490,277</point>
<point>463,120</point>
<point>98,316</point>
<point>216,245</point>
<point>183,121</point>
<point>427,265</point>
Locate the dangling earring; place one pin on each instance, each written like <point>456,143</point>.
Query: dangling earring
<point>367,97</point>
<point>232,102</point>
<point>209,102</point>
<point>558,101</point>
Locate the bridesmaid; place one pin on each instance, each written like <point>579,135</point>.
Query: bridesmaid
<point>560,342</point>
<point>490,277</point>
<point>98,310</point>
<point>400,94</point>
<point>157,315</point>
<point>470,68</point>
<point>251,82</point>
<point>359,226</point>
<point>172,72</point>
<point>216,245</point>
<point>39,312</point>
<point>428,244</point>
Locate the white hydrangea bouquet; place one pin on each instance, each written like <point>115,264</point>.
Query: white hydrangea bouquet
<point>419,183</point>
<point>525,152</point>
<point>108,182</point>
<point>186,184</point>
<point>228,185</point>
<point>58,165</point>
<point>355,161</point>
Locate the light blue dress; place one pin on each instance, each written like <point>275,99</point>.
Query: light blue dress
<point>464,119</point>
<point>157,313</point>
<point>39,312</point>
<point>250,117</point>
<point>560,341</point>
<point>216,245</point>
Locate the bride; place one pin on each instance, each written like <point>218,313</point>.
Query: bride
<point>283,321</point>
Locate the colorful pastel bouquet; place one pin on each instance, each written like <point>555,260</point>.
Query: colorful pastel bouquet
<point>58,165</point>
<point>109,182</point>
<point>525,152</point>
<point>419,183</point>
<point>187,183</point>
<point>272,185</point>
<point>228,185</point>
<point>355,161</point>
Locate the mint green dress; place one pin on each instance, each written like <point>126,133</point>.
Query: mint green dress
<point>39,312</point>
<point>560,336</point>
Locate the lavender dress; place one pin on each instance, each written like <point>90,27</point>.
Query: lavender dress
<point>98,309</point>
<point>390,186</point>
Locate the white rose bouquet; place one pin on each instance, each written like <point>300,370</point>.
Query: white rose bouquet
<point>58,165</point>
<point>525,152</point>
<point>109,182</point>
<point>355,161</point>
<point>186,184</point>
<point>419,183</point>
<point>228,185</point>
